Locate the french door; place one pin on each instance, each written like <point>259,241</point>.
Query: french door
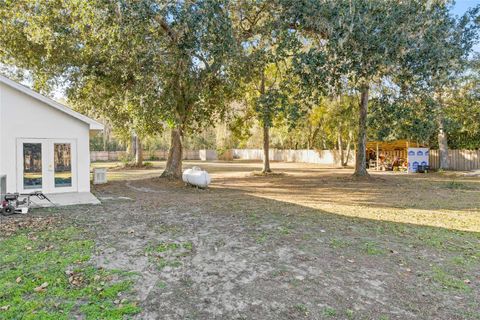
<point>47,165</point>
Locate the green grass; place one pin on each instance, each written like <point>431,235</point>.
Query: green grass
<point>301,308</point>
<point>285,230</point>
<point>455,185</point>
<point>262,238</point>
<point>329,312</point>
<point>254,218</point>
<point>349,314</point>
<point>168,254</point>
<point>166,246</point>
<point>448,281</point>
<point>58,261</point>
<point>466,260</point>
<point>371,248</point>
<point>338,243</point>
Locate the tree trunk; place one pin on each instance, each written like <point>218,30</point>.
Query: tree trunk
<point>105,139</point>
<point>313,137</point>
<point>133,147</point>
<point>129,147</point>
<point>138,152</point>
<point>442,143</point>
<point>340,149</point>
<point>347,158</point>
<point>173,168</point>
<point>361,157</point>
<point>266,133</point>
<point>266,149</point>
<point>309,138</point>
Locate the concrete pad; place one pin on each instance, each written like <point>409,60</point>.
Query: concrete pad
<point>66,199</point>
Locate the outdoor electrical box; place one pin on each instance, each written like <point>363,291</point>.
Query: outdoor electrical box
<point>99,175</point>
<point>3,185</point>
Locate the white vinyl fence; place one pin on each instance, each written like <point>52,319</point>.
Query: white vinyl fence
<point>158,154</point>
<point>459,159</point>
<point>326,157</point>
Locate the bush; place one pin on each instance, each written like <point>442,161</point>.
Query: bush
<point>147,164</point>
<point>125,159</point>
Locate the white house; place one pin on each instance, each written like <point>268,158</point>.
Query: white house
<point>44,145</point>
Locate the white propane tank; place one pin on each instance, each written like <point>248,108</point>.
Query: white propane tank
<point>196,177</point>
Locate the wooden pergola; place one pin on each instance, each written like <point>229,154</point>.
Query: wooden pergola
<point>396,148</point>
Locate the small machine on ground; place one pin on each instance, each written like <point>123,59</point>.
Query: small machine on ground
<point>15,203</point>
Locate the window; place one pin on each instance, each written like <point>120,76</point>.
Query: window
<point>32,165</point>
<point>63,165</point>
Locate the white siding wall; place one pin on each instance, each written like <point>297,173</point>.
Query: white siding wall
<point>2,170</point>
<point>22,116</point>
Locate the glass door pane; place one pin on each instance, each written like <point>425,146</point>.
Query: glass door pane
<point>32,165</point>
<point>63,164</point>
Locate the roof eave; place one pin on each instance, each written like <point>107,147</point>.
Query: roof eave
<point>95,126</point>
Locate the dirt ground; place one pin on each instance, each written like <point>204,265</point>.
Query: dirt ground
<point>309,242</point>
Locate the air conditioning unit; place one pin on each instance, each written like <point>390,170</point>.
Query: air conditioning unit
<point>3,185</point>
<point>99,175</point>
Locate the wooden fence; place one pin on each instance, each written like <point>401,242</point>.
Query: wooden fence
<point>461,160</point>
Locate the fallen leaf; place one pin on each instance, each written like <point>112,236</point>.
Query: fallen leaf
<point>42,287</point>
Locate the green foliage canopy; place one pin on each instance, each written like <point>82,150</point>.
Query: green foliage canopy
<point>138,63</point>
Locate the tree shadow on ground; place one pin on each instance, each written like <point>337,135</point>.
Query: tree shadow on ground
<point>262,258</point>
<point>253,256</point>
